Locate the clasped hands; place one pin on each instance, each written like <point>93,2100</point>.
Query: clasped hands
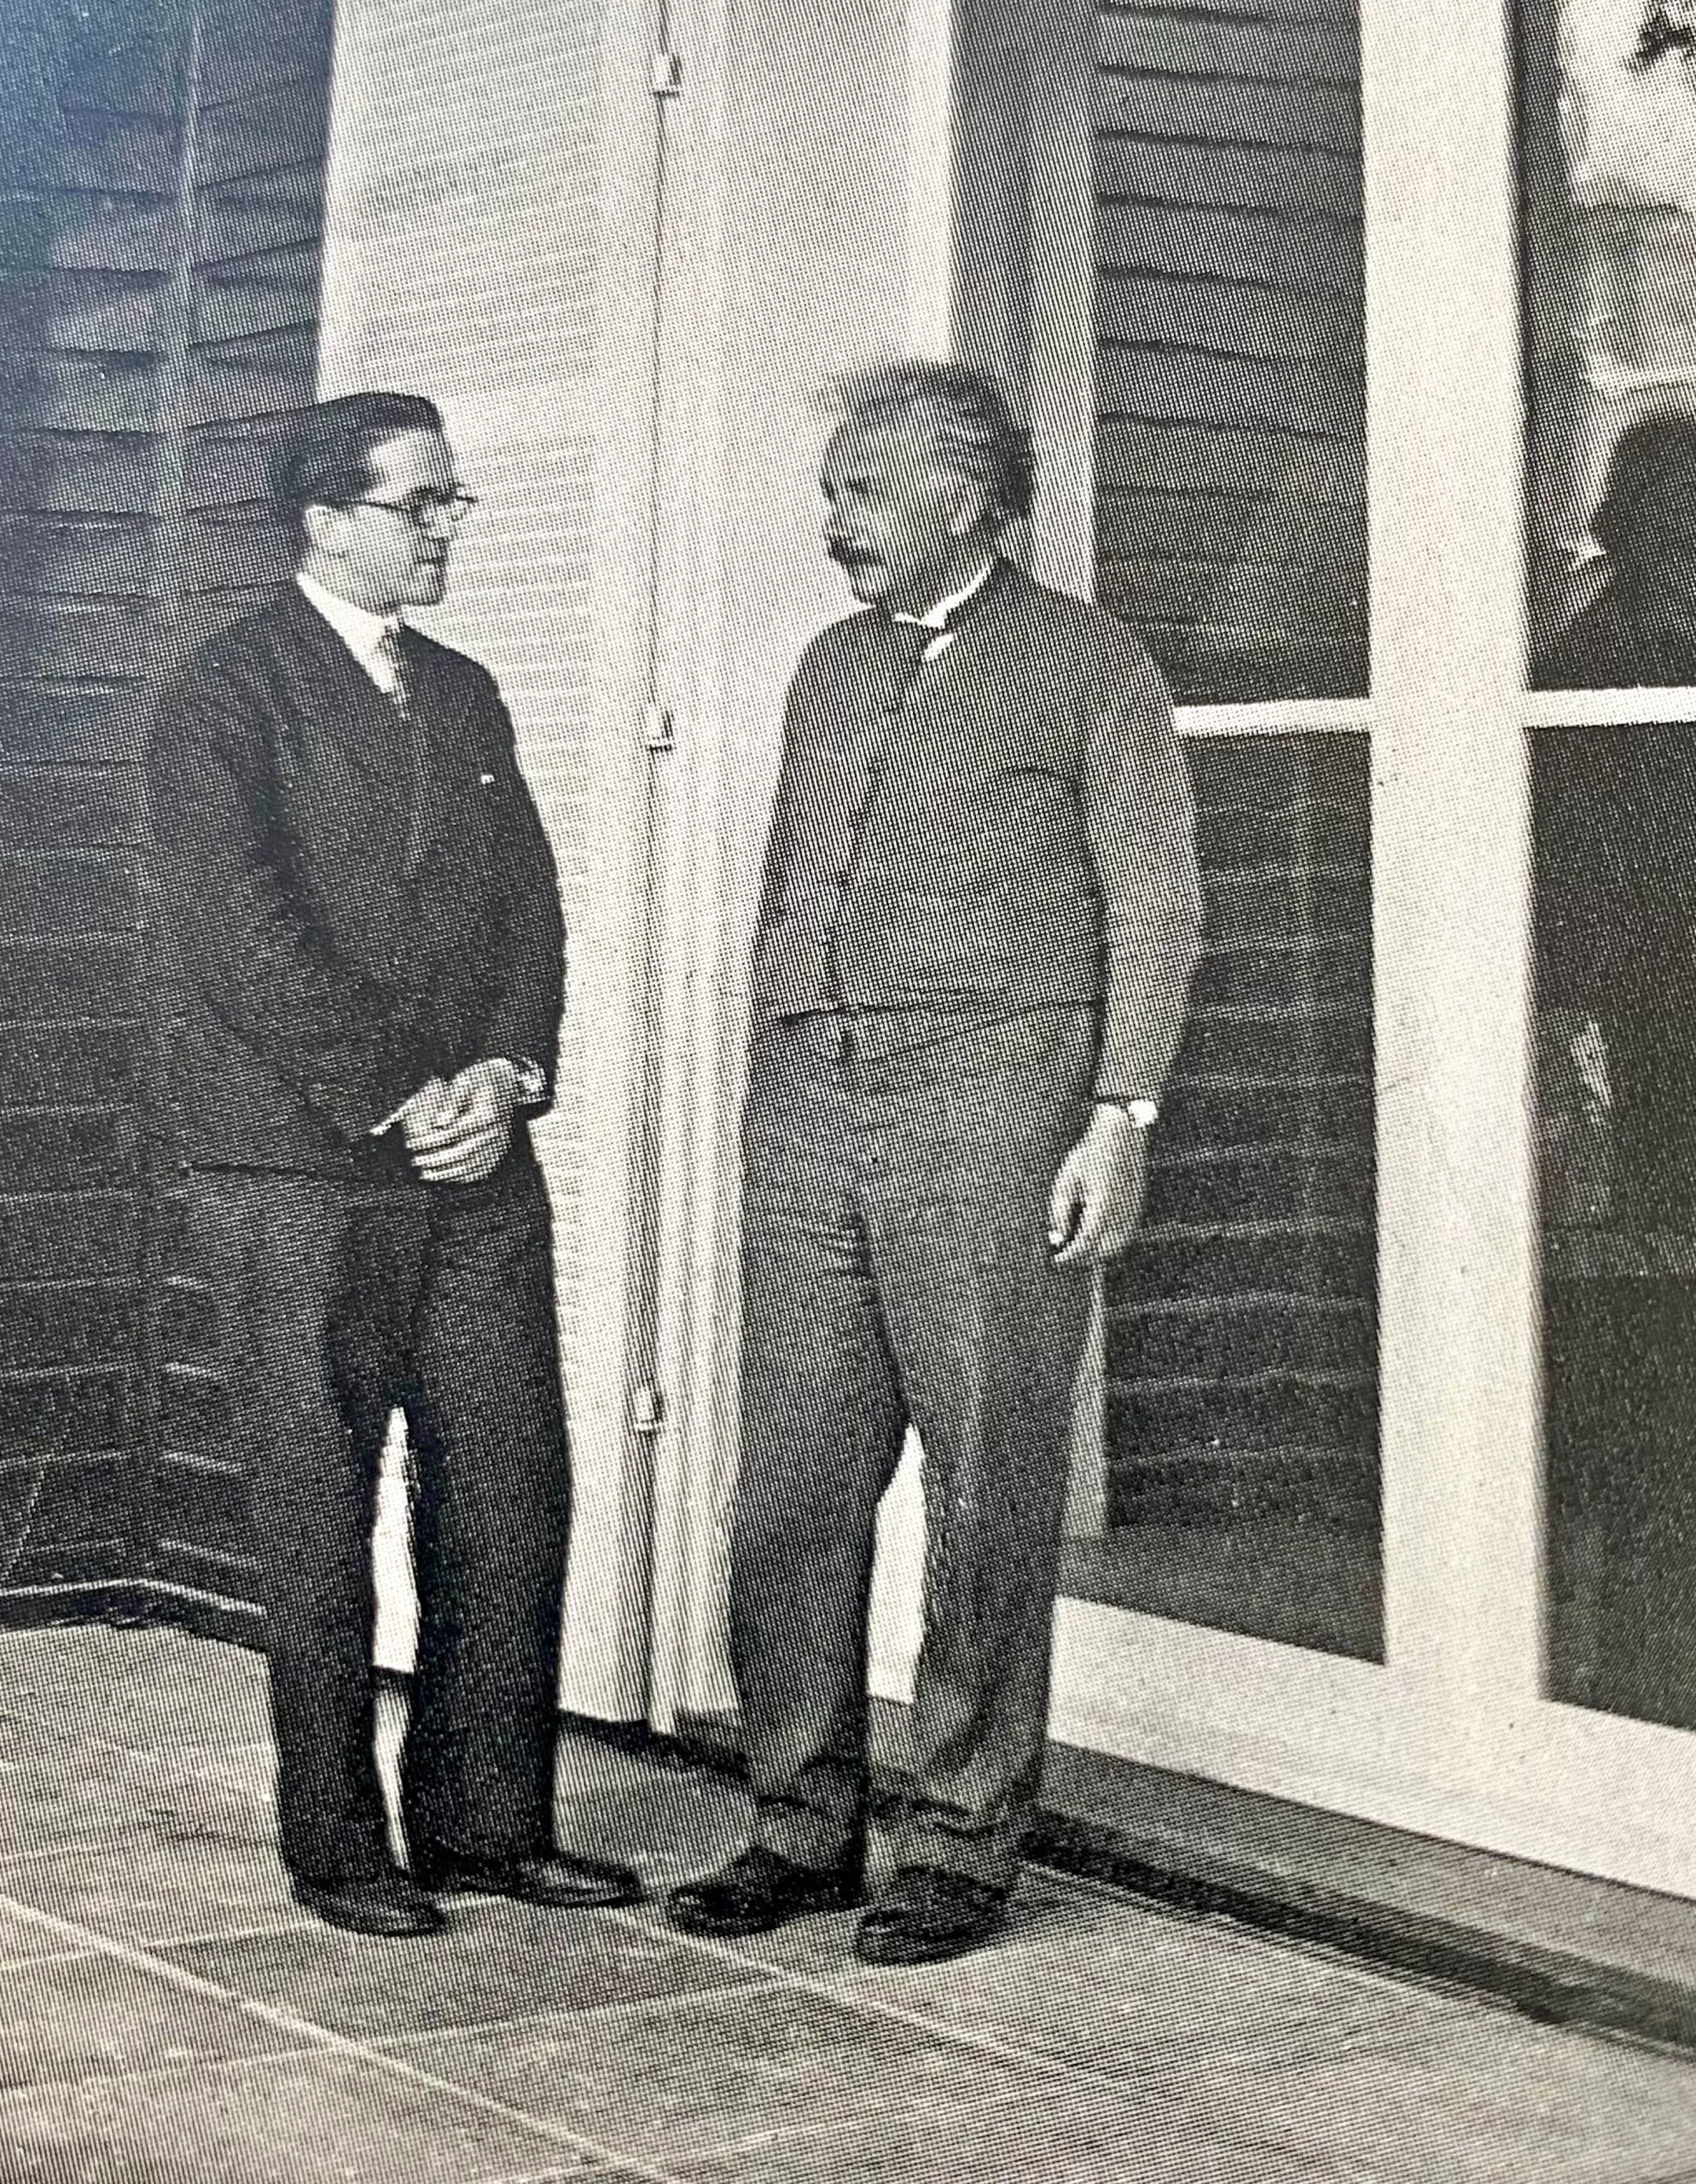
<point>457,1130</point>
<point>1099,1188</point>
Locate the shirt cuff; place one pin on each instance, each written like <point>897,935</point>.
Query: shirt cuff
<point>530,1079</point>
<point>1142,1114</point>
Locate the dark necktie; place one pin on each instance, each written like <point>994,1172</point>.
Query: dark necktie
<point>393,653</point>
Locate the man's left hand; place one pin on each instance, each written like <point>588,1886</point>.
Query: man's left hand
<point>468,1137</point>
<point>1096,1201</point>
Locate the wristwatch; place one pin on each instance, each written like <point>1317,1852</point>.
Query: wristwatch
<point>1142,1114</point>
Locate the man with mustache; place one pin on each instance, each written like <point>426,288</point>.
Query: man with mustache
<point>366,931</point>
<point>979,918</point>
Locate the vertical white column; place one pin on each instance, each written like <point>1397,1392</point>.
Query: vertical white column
<point>1451,863</point>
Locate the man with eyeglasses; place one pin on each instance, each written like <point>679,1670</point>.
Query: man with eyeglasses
<point>368,950</point>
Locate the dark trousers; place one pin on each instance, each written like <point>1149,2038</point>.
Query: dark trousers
<point>896,1271</point>
<point>342,1304</point>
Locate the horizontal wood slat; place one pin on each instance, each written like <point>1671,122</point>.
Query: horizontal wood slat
<point>1324,115</point>
<point>56,895</point>
<point>239,553</point>
<point>101,640</point>
<point>1184,386</point>
<point>1306,825</point>
<point>56,1063</point>
<point>1300,1257</point>
<point>1175,45</point>
<point>102,151</point>
<point>72,472</point>
<point>100,312</point>
<point>72,725</point>
<point>1201,242</point>
<point>1196,594</point>
<point>1270,1043</point>
<point>1224,1337</point>
<point>68,981</point>
<point>1266,903</point>
<point>116,235</point>
<point>1287,1413</point>
<point>66,1323</point>
<point>139,75</point>
<point>1271,11</point>
<point>1285,178</point>
<point>1251,773</point>
<point>1285,974</point>
<point>61,1149</point>
<point>287,44</point>
<point>268,129</point>
<point>46,555</point>
<point>70,1236</point>
<point>45,1412</point>
<point>1224,528</point>
<point>230,463</point>
<point>1268,1107</point>
<point>1261,1183</point>
<point>1230,318</point>
<point>274,291</point>
<point>261,212</point>
<point>90,806</point>
<point>117,393</point>
<point>1134,453</point>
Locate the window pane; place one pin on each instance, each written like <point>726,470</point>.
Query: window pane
<point>1230,383</point>
<point>1608,175</point>
<point>1615,816</point>
<point>1241,1487</point>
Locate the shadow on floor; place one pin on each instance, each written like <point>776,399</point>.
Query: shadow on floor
<point>168,2016</point>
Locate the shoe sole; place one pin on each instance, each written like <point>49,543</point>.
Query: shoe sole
<point>706,1927</point>
<point>612,1899</point>
<point>422,1932</point>
<point>876,1950</point>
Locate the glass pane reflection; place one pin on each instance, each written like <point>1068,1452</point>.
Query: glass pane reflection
<point>1608,137</point>
<point>1242,1483</point>
<point>1615,819</point>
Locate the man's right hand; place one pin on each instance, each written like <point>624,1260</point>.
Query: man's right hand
<point>426,1110</point>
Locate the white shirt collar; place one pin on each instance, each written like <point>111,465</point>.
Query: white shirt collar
<point>362,631</point>
<point>937,617</point>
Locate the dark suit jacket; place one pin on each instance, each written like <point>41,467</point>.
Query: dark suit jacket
<point>322,974</point>
<point>1016,830</point>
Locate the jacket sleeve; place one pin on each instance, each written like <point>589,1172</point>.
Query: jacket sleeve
<point>1140,817</point>
<point>242,944</point>
<point>524,1023</point>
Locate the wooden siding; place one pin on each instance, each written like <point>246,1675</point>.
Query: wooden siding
<point>158,328</point>
<point>1231,523</point>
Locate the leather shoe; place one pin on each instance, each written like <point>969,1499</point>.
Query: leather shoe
<point>552,1878</point>
<point>389,1905</point>
<point>759,1890</point>
<point>927,1915</point>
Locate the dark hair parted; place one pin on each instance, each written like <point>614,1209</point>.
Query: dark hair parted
<point>327,459</point>
<point>1651,476</point>
<point>974,428</point>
